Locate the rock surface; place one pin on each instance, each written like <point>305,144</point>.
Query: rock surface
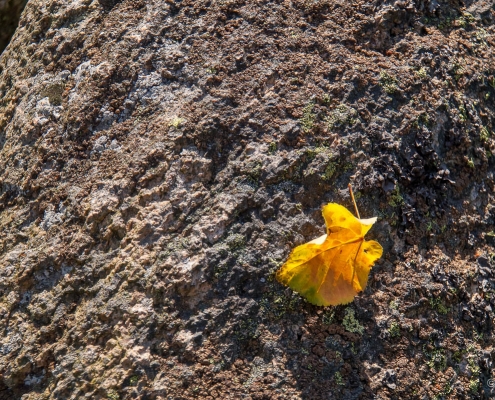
<point>159,160</point>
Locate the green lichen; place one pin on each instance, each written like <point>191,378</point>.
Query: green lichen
<point>338,379</point>
<point>448,388</point>
<point>277,305</point>
<point>474,385</point>
<point>478,336</point>
<point>247,329</point>
<point>343,115</point>
<point>484,134</point>
<point>429,226</point>
<point>438,306</point>
<point>312,152</point>
<point>481,36</point>
<point>463,117</point>
<point>254,172</point>
<point>393,305</point>
<point>112,394</point>
<point>394,329</point>
<point>328,317</point>
<point>458,70</point>
<point>176,122</point>
<point>329,172</point>
<point>388,82</point>
<point>473,366</point>
<point>437,360</point>
<point>133,380</point>
<point>423,120</point>
<point>308,118</point>
<point>235,242</point>
<point>421,73</point>
<point>396,199</point>
<point>465,20</point>
<point>350,323</point>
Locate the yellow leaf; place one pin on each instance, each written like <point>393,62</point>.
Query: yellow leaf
<point>334,268</point>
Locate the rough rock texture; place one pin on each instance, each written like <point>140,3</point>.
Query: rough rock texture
<point>159,160</point>
<point>10,11</point>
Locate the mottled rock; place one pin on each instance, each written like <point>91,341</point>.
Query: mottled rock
<point>160,160</point>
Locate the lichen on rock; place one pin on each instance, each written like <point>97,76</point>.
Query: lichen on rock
<point>159,160</point>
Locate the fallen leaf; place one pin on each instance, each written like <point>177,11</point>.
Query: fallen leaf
<point>333,268</point>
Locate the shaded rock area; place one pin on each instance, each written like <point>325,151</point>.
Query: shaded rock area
<point>10,11</point>
<point>159,160</point>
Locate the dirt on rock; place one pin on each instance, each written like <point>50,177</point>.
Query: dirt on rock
<point>160,160</point>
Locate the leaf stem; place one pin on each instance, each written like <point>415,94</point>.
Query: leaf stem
<point>354,201</point>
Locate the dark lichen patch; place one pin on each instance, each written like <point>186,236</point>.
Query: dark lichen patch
<point>54,92</point>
